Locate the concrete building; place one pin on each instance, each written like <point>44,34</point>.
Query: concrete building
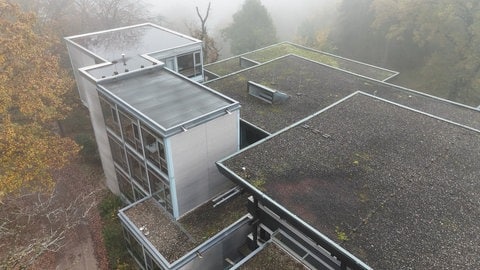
<point>339,169</point>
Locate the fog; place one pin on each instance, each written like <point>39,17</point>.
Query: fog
<point>287,15</point>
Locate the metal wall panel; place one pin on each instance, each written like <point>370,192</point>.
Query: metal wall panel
<point>194,153</point>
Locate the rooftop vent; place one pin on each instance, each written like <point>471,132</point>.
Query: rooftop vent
<point>266,94</point>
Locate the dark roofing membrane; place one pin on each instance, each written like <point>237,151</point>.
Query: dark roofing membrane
<point>313,86</point>
<point>397,188</point>
<point>166,98</point>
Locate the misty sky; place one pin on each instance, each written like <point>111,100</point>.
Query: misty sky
<point>286,14</point>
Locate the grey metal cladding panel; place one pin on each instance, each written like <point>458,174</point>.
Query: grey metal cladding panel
<point>166,98</point>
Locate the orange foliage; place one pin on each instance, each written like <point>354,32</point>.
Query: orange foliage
<point>32,90</point>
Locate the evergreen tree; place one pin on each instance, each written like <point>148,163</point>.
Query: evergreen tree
<point>252,28</point>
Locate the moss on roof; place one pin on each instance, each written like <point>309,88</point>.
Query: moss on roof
<point>312,87</point>
<point>231,65</point>
<point>397,188</point>
<point>173,239</point>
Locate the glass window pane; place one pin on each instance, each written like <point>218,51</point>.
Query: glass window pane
<point>138,171</point>
<point>160,190</point>
<point>118,154</point>
<point>154,149</point>
<point>186,65</point>
<point>130,130</point>
<point>110,115</point>
<point>125,186</point>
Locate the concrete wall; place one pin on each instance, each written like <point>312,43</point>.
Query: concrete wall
<point>96,118</point>
<point>89,96</point>
<point>193,155</point>
<point>80,59</point>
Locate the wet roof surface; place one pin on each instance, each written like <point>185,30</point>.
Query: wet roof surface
<point>132,42</point>
<point>231,65</point>
<point>312,87</point>
<point>400,188</point>
<point>166,98</point>
<point>173,239</point>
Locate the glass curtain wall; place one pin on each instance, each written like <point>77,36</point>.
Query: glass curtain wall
<point>139,156</point>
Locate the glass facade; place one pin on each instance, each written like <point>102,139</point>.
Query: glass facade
<point>110,115</point>
<point>130,130</point>
<point>142,256</point>
<point>189,65</point>
<point>160,190</point>
<point>139,156</point>
<point>154,149</point>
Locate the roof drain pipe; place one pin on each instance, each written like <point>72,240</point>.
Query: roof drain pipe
<point>226,196</point>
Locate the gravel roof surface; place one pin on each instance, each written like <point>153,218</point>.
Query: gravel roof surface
<point>272,257</point>
<point>312,87</point>
<point>231,65</point>
<point>397,188</point>
<point>173,239</point>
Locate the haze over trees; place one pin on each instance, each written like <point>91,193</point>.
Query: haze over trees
<point>252,28</point>
<point>434,44</point>
<point>75,17</point>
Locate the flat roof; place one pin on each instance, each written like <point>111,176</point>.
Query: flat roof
<point>125,49</point>
<point>132,41</point>
<point>230,65</point>
<point>397,188</point>
<point>174,239</point>
<point>313,86</point>
<point>166,98</point>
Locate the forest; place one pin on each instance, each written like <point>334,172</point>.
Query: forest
<point>435,45</point>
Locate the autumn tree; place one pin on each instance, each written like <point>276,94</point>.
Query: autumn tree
<point>32,87</point>
<point>313,34</point>
<point>69,17</point>
<point>252,28</point>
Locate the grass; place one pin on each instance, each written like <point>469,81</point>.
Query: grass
<point>341,235</point>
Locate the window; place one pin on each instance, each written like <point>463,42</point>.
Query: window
<point>190,65</point>
<point>131,132</point>
<point>118,154</point>
<point>125,186</point>
<point>198,64</point>
<point>138,171</point>
<point>160,190</point>
<point>110,115</point>
<point>154,149</point>
<point>133,245</point>
<point>150,262</point>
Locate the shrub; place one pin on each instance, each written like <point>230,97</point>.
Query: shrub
<point>88,146</point>
<point>118,256</point>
